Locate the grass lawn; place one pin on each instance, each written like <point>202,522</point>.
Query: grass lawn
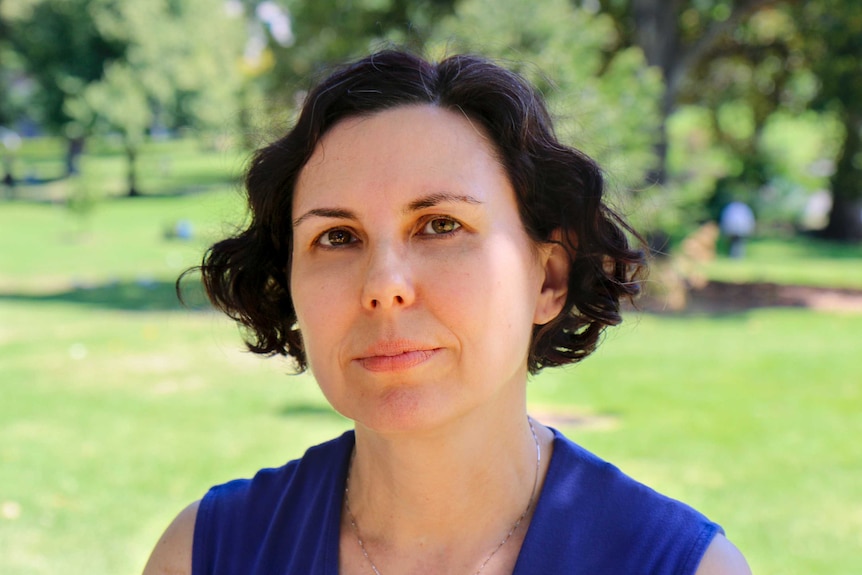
<point>118,407</point>
<point>114,420</point>
<point>752,418</point>
<point>799,261</point>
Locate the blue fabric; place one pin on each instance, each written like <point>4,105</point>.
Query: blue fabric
<point>590,519</point>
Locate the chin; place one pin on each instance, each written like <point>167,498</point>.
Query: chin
<point>403,411</point>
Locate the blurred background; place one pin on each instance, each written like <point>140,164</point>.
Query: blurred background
<point>730,135</point>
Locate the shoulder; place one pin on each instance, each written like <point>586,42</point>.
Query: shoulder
<point>234,519</point>
<point>294,484</point>
<point>585,477</point>
<point>617,524</point>
<point>173,553</point>
<point>722,558</point>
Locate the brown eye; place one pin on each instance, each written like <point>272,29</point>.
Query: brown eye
<point>335,238</point>
<point>439,226</point>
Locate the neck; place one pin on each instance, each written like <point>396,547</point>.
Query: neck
<point>410,489</point>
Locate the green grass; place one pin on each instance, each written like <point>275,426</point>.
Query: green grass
<point>120,239</point>
<point>114,420</point>
<point>752,418</point>
<point>165,167</point>
<point>798,261</point>
<point>118,407</point>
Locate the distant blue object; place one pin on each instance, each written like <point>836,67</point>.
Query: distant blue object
<point>183,230</point>
<point>737,222</point>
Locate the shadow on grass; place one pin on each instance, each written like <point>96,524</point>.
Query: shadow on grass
<point>719,299</point>
<point>36,193</point>
<point>122,295</point>
<point>194,186</point>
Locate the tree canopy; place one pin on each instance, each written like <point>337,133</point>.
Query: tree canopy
<point>687,104</point>
<point>129,67</point>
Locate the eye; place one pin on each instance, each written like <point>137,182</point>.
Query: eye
<point>336,238</point>
<point>440,226</point>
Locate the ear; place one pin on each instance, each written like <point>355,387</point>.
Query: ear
<point>556,264</point>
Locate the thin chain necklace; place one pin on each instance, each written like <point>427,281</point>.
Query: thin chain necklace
<point>497,548</point>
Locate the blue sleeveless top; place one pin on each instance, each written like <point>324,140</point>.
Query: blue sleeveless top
<point>590,519</point>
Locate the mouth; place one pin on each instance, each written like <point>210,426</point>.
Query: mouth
<point>395,357</point>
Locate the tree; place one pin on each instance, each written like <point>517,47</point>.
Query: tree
<point>328,32</point>
<point>722,55</point>
<point>54,47</point>
<point>603,96</point>
<point>833,43</point>
<point>175,72</point>
<point>678,37</point>
<point>753,76</point>
<point>9,70</point>
<point>125,66</point>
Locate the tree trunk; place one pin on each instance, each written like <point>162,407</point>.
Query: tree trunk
<point>74,149</point>
<point>132,175</point>
<point>657,34</point>
<point>845,218</point>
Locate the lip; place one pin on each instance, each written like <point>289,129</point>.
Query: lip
<point>396,356</point>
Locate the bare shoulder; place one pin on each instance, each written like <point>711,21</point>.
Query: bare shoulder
<point>173,553</point>
<point>722,558</point>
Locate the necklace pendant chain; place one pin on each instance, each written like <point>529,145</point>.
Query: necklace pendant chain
<point>497,548</point>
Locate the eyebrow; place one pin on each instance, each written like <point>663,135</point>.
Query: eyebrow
<point>422,203</point>
<point>326,213</point>
<point>432,200</point>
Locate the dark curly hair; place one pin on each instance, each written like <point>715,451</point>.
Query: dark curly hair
<point>558,188</point>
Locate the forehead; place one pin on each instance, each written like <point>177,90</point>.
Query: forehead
<point>411,149</point>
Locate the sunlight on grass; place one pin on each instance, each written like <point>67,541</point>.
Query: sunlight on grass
<point>747,417</point>
<point>798,261</point>
<point>45,247</point>
<point>116,420</point>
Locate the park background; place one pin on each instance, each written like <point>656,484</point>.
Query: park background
<point>124,129</point>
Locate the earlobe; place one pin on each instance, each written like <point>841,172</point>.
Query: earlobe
<point>556,264</point>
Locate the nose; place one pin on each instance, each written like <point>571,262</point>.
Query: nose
<point>388,283</point>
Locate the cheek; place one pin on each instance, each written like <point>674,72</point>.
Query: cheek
<point>493,289</point>
<point>319,302</point>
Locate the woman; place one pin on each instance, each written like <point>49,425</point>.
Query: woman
<point>422,242</point>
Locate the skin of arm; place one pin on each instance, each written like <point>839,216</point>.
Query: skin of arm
<point>173,553</point>
<point>722,558</point>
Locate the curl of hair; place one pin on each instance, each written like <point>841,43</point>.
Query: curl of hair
<point>559,191</point>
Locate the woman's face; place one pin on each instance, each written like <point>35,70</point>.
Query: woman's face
<point>414,282</point>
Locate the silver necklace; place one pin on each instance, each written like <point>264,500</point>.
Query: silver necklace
<point>497,548</point>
